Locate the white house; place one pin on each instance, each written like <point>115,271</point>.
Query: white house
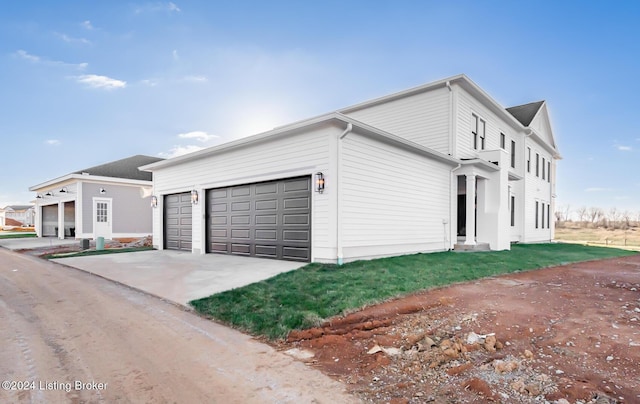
<point>21,214</point>
<point>111,200</point>
<point>390,176</point>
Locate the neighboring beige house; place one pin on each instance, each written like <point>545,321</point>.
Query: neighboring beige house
<point>111,200</point>
<point>24,214</point>
<point>432,168</point>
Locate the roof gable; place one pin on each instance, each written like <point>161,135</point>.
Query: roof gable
<point>525,113</point>
<point>123,168</point>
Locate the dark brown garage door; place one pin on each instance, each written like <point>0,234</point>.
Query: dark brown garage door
<point>268,219</point>
<point>177,221</point>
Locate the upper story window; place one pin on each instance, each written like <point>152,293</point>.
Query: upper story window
<point>544,163</point>
<point>478,127</point>
<point>528,159</point>
<point>513,154</point>
<point>548,171</point>
<point>503,141</point>
<point>537,164</point>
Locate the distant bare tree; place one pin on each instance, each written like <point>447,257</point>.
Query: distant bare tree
<point>625,218</point>
<point>595,215</point>
<point>613,217</point>
<point>582,214</point>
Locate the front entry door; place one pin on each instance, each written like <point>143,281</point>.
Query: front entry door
<point>102,221</point>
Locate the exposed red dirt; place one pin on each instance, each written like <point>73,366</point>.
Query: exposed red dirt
<point>562,334</point>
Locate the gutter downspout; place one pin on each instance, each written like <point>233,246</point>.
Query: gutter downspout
<point>455,203</point>
<point>339,195</point>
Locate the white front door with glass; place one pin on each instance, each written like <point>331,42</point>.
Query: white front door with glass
<point>102,223</point>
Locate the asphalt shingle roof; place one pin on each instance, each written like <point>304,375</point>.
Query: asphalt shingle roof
<point>525,113</point>
<point>124,168</point>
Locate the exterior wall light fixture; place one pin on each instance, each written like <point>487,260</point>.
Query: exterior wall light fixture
<point>319,182</point>
<point>154,201</point>
<point>48,194</point>
<point>63,190</point>
<point>38,196</point>
<point>194,197</point>
<point>103,191</point>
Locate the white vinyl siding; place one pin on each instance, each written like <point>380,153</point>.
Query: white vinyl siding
<point>393,200</point>
<point>537,190</point>
<point>422,118</point>
<point>282,157</point>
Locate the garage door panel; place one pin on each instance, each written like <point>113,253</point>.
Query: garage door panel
<point>266,219</point>
<point>296,219</point>
<point>268,251</point>
<point>178,221</point>
<point>296,203</point>
<point>244,249</point>
<point>269,219</point>
<point>266,188</point>
<point>241,191</point>
<point>268,204</point>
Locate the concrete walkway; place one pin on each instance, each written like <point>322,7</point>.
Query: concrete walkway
<point>28,243</point>
<point>180,276</point>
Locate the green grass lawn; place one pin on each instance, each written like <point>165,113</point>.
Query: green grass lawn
<point>303,298</point>
<point>95,252</point>
<point>17,235</point>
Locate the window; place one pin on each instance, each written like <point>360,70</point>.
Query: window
<point>548,216</point>
<point>544,163</point>
<point>537,207</point>
<point>548,171</point>
<point>537,165</point>
<point>528,159</point>
<point>503,141</point>
<point>101,212</point>
<point>478,130</point>
<point>542,214</point>
<point>513,211</point>
<point>513,154</point>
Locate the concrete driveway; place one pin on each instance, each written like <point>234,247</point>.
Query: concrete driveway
<point>28,243</point>
<point>180,276</point>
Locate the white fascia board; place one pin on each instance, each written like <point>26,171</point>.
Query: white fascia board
<point>535,136</point>
<point>298,126</point>
<point>479,163</point>
<point>91,178</point>
<point>244,142</point>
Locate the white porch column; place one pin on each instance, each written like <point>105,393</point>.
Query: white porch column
<point>61,220</point>
<point>470,233</point>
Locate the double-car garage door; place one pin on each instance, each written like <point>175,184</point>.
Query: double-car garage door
<point>267,219</point>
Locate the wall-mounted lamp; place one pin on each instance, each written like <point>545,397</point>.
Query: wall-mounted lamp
<point>63,190</point>
<point>194,197</point>
<point>103,191</point>
<point>319,182</point>
<point>154,201</point>
<point>48,194</point>
<point>38,196</point>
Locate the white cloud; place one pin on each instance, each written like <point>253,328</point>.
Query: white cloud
<point>87,25</point>
<point>70,39</point>
<point>37,59</point>
<point>597,189</point>
<point>624,148</point>
<point>175,55</point>
<point>195,79</point>
<point>52,142</point>
<point>102,82</point>
<point>198,135</point>
<point>149,82</point>
<point>27,56</point>
<point>176,151</point>
<point>155,7</point>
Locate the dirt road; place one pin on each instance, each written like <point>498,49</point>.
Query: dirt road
<point>568,334</point>
<point>71,337</point>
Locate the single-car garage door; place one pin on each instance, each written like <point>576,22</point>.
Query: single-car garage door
<point>177,221</point>
<point>268,219</point>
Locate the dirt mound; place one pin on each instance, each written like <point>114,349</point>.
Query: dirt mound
<point>563,334</point>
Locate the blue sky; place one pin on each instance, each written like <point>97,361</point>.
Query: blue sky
<point>84,83</point>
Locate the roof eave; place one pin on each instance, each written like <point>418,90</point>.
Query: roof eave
<point>83,177</point>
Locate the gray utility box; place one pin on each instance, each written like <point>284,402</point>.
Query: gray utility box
<point>84,244</point>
